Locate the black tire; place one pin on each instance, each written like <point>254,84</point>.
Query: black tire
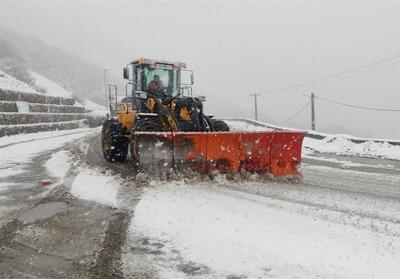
<point>113,142</point>
<point>220,126</point>
<point>148,125</point>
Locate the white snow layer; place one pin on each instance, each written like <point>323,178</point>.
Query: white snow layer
<point>52,88</point>
<point>94,186</point>
<point>244,126</point>
<point>342,145</point>
<point>59,164</point>
<point>7,82</point>
<point>23,147</point>
<point>238,234</point>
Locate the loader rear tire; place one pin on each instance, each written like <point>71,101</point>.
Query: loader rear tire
<point>113,142</point>
<point>219,125</point>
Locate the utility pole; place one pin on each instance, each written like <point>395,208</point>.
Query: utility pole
<point>255,105</point>
<point>105,85</point>
<point>312,111</point>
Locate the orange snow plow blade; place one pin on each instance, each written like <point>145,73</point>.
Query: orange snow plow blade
<point>278,153</point>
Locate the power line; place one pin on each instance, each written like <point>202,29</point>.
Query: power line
<point>345,74</point>
<point>355,106</point>
<point>296,114</point>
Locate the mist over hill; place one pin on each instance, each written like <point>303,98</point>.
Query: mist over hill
<point>19,54</point>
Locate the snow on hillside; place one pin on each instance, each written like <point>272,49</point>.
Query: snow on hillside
<point>7,82</point>
<point>52,88</point>
<point>55,89</point>
<point>331,143</point>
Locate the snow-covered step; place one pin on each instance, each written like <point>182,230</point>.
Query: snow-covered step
<point>55,108</point>
<point>9,95</point>
<point>40,127</point>
<point>12,118</point>
<point>6,106</point>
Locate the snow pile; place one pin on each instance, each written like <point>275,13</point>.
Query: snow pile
<point>52,88</point>
<point>223,233</point>
<point>59,164</point>
<point>94,186</point>
<point>7,82</point>
<point>342,145</point>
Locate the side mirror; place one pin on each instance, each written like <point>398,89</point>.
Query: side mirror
<point>186,77</point>
<point>126,72</point>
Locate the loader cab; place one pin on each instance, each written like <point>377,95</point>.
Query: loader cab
<point>143,74</point>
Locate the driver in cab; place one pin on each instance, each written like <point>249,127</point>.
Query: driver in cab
<point>156,85</point>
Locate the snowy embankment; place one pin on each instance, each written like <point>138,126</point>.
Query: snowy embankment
<point>7,82</point>
<point>331,143</point>
<point>56,90</point>
<point>51,87</point>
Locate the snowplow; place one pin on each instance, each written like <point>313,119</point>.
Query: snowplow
<point>165,128</point>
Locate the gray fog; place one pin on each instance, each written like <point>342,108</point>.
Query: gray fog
<point>239,48</point>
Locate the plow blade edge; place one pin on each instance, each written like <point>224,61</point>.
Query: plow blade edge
<point>278,153</point>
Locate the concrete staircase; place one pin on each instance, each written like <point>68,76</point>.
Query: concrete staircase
<point>22,112</point>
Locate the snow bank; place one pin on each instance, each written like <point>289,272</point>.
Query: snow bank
<point>59,164</point>
<point>51,87</point>
<point>342,145</point>
<point>93,186</point>
<point>228,233</point>
<point>7,82</point>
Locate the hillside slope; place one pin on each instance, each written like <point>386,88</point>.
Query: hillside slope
<point>81,78</point>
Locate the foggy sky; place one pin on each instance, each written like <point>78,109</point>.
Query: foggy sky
<point>240,48</point>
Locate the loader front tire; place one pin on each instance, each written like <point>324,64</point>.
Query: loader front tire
<point>113,142</point>
<point>148,125</point>
<point>219,125</point>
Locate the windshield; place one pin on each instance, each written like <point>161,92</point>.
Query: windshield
<point>160,80</point>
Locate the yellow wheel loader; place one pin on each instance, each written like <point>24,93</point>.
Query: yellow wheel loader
<point>166,129</point>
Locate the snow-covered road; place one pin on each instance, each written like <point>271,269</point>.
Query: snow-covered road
<point>224,232</point>
<point>342,221</point>
<point>22,167</point>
